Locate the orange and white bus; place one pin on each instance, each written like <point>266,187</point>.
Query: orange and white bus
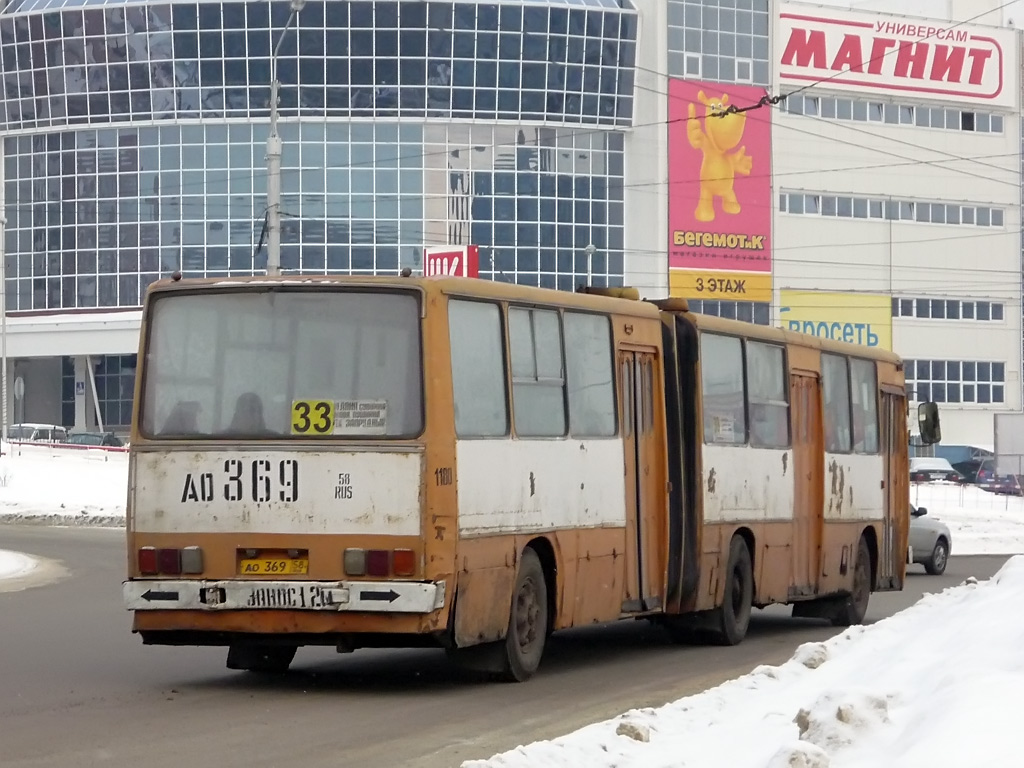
<point>404,461</point>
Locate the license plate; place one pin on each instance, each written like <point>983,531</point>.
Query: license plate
<point>300,596</point>
<point>273,566</point>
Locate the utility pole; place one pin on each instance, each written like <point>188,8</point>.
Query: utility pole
<point>274,155</point>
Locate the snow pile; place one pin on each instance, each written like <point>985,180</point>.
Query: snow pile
<point>63,486</point>
<point>932,685</point>
<point>15,564</point>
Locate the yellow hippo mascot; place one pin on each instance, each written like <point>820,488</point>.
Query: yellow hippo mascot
<point>722,132</point>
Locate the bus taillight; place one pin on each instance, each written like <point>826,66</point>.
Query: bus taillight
<point>169,561</point>
<point>378,562</point>
<point>147,561</point>
<point>153,561</point>
<point>404,562</point>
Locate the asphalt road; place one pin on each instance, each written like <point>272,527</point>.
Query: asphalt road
<point>78,689</point>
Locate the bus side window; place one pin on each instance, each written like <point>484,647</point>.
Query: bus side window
<point>478,369</point>
<point>538,372</point>
<point>864,389</point>
<point>588,364</point>
<point>722,389</point>
<point>766,396</point>
<point>836,386</point>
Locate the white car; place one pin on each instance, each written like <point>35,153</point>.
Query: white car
<point>930,541</point>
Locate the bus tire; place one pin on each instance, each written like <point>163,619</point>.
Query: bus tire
<point>730,620</point>
<point>528,621</point>
<point>852,608</point>
<point>265,659</point>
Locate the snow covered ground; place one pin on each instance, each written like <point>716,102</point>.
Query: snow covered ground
<point>934,685</point>
<point>912,690</point>
<point>63,486</point>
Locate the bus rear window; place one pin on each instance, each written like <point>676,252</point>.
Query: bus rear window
<point>277,364</point>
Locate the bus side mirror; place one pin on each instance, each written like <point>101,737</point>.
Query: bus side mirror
<point>928,423</point>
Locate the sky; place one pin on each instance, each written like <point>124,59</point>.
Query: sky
<point>945,679</point>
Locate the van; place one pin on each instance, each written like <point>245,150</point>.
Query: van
<point>36,433</point>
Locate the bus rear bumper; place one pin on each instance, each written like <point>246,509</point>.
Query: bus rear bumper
<point>325,596</point>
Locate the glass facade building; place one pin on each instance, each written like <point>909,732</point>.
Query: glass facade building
<point>134,139</point>
<point>134,142</point>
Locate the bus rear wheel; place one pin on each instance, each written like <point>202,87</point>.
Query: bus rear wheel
<point>528,621</point>
<point>266,659</point>
<point>730,620</point>
<point>854,607</point>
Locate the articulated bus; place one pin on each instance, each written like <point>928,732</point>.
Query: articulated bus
<point>458,463</point>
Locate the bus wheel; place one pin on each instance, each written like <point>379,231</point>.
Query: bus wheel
<point>268,659</point>
<point>528,621</point>
<point>852,609</point>
<point>730,620</point>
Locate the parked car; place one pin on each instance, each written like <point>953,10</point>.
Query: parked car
<point>927,469</point>
<point>37,433</point>
<point>930,541</point>
<point>976,470</point>
<point>108,439</point>
<point>1007,485</point>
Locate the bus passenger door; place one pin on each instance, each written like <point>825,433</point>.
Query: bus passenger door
<point>808,482</point>
<point>896,479</point>
<point>636,387</point>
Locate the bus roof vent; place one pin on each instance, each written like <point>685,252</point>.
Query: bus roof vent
<point>616,293</point>
<point>672,304</point>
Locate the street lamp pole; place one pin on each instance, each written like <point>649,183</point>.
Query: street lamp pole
<point>274,156</point>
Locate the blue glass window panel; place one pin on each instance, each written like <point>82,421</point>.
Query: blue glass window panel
<point>462,74</point>
<point>361,43</point>
<point>412,15</point>
<point>186,45</point>
<point>361,14</point>
<point>486,74</point>
<point>412,42</point>
<point>481,233</point>
<point>259,43</point>
<point>185,16</point>
<point>234,15</point>
<point>511,18</point>
<point>510,48</point>
<point>486,101</point>
<point>462,100</point>
<point>534,76</point>
<point>528,235</point>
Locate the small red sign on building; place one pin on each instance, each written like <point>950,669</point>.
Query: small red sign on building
<point>451,260</point>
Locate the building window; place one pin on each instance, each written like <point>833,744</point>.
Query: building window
<point>719,40</point>
<point>956,381</point>
<point>948,309</point>
<point>538,61</point>
<point>919,115</point>
<point>117,208</point>
<point>757,312</point>
<point>854,207</point>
